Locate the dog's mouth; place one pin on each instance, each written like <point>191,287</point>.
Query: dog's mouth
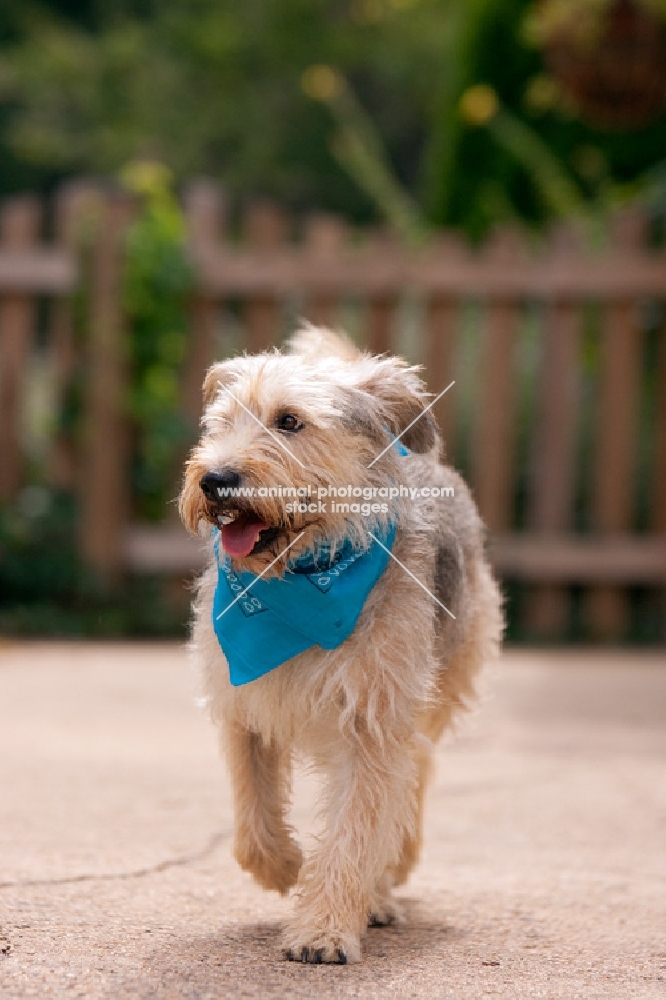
<point>244,533</point>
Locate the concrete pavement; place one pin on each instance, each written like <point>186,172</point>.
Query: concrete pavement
<point>544,872</point>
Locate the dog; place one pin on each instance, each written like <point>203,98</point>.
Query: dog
<point>409,589</point>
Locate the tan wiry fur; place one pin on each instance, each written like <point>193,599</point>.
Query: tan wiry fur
<point>367,713</point>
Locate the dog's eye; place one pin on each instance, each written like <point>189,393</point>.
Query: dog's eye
<point>288,422</point>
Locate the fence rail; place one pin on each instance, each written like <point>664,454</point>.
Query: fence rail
<point>533,487</point>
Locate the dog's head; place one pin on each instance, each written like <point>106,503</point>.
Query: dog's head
<point>278,428</point>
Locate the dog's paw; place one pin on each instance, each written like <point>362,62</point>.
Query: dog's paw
<point>384,910</point>
<point>317,946</point>
<point>276,867</point>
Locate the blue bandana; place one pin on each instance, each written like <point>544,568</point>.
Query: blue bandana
<point>315,603</point>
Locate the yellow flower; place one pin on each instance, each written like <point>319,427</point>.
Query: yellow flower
<point>322,83</point>
<point>146,177</point>
<point>478,104</point>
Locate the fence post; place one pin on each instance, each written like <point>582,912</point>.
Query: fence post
<point>493,459</point>
<point>659,479</point>
<point>383,249</point>
<point>613,488</point>
<point>75,202</point>
<point>553,448</point>
<point>325,241</point>
<point>659,490</point>
<point>265,229</point>
<point>205,215</point>
<point>20,220</point>
<point>442,315</point>
<point>104,485</point>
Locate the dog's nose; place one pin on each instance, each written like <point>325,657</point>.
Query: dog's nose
<point>213,484</point>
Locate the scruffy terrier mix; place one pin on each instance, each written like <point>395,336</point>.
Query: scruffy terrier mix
<point>362,637</point>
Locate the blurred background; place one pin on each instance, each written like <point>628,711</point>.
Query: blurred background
<point>477,184</point>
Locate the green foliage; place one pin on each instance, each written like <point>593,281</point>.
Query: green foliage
<point>158,277</point>
<point>358,146</point>
<point>46,590</point>
<point>220,87</point>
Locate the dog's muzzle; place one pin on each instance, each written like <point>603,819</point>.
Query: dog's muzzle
<point>243,531</point>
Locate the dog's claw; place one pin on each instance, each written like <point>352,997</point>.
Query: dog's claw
<point>310,956</point>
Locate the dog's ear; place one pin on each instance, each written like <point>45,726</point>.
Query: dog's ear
<point>218,375</point>
<point>401,401</point>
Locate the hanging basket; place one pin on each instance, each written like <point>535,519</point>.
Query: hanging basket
<point>616,75</point>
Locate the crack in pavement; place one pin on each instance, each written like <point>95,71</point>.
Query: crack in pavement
<point>178,862</point>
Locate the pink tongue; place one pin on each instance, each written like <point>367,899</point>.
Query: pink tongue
<point>240,537</point>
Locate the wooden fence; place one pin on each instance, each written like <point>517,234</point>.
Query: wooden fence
<point>569,470</point>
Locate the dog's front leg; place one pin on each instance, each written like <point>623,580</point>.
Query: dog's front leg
<point>260,777</point>
<point>370,808</point>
